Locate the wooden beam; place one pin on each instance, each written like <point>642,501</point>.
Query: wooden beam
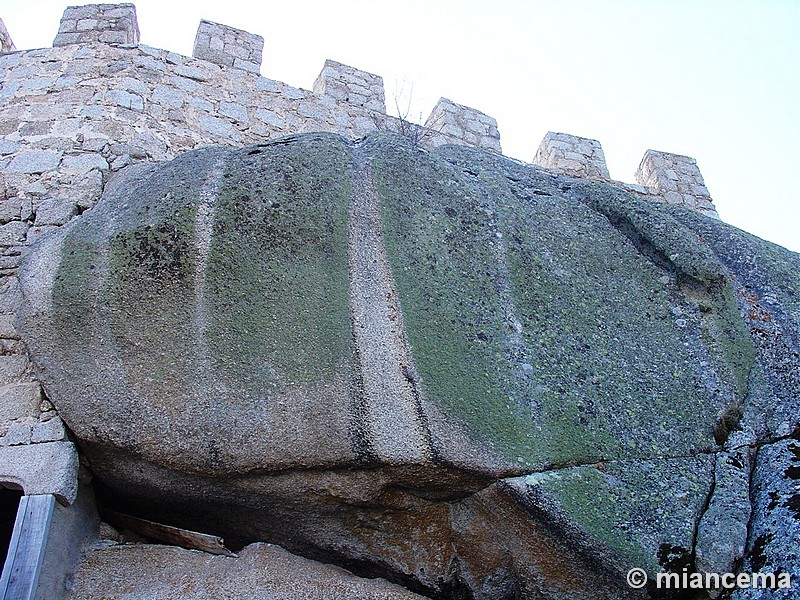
<point>26,550</point>
<point>194,540</point>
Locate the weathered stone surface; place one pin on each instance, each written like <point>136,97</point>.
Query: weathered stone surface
<point>772,545</point>
<point>12,368</point>
<point>628,513</point>
<point>51,430</point>
<point>264,571</point>
<point>55,211</point>
<point>339,347</point>
<point>34,161</point>
<point>50,468</point>
<point>19,400</point>
<point>722,532</point>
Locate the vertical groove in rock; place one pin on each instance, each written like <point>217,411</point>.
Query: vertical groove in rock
<point>203,232</point>
<point>394,424</point>
<point>203,228</point>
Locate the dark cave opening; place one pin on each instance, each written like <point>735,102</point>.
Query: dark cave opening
<point>9,503</point>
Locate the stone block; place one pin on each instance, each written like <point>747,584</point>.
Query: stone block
<point>55,211</point>
<point>237,112</point>
<point>13,233</point>
<point>7,329</point>
<point>13,368</point>
<point>18,433</point>
<point>35,161</point>
<point>8,147</point>
<point>49,468</point>
<point>270,118</point>
<point>216,127</point>
<point>10,209</point>
<point>19,400</point>
<point>168,96</point>
<point>80,164</point>
<point>126,99</point>
<point>228,46</point>
<point>51,430</point>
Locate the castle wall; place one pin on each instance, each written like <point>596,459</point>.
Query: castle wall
<point>74,114</point>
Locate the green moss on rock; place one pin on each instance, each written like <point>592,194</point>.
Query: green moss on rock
<point>277,278</point>
<point>533,319</point>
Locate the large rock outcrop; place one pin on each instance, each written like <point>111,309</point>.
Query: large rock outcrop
<point>448,369</point>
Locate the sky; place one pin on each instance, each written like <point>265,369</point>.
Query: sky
<point>718,80</point>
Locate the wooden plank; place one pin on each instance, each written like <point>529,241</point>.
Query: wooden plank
<point>167,534</point>
<point>27,547</point>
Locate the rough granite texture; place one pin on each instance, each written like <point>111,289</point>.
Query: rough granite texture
<point>137,571</point>
<point>447,368</point>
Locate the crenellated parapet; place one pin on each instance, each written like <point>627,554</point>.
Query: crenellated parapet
<point>100,101</point>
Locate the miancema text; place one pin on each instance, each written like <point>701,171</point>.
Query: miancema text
<point>728,581</point>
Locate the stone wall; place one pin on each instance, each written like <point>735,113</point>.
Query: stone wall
<point>73,115</point>
<point>34,452</point>
<point>661,176</point>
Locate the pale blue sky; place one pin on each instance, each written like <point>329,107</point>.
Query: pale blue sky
<point>718,80</point>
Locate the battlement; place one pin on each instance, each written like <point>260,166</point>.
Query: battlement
<point>98,100</point>
<point>106,23</point>
<point>572,155</point>
<point>228,47</point>
<point>676,177</point>
<point>347,84</point>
